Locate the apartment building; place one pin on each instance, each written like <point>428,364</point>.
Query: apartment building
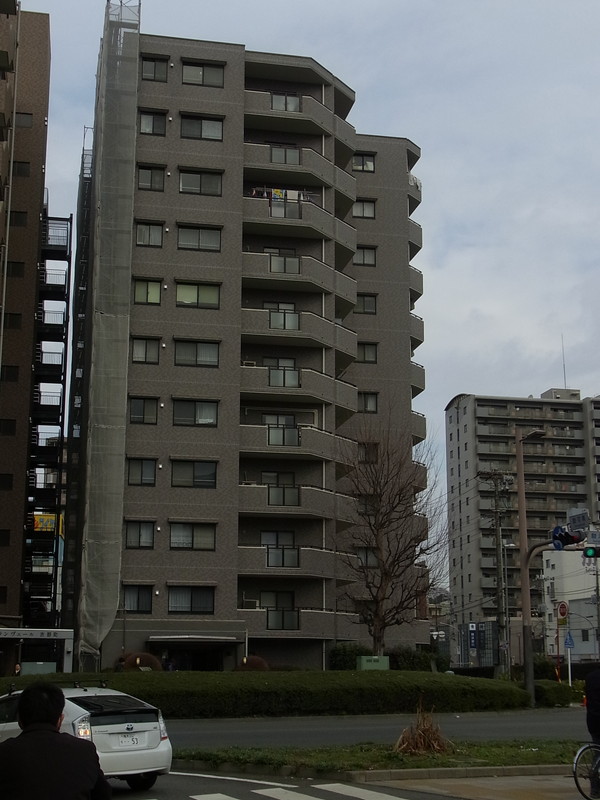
<point>243,293</point>
<point>34,283</point>
<point>560,445</point>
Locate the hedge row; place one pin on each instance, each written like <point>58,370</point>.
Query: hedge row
<point>266,694</point>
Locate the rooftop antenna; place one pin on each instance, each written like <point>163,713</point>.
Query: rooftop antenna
<point>562,342</point>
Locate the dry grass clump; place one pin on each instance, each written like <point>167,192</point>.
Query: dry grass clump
<point>423,737</point>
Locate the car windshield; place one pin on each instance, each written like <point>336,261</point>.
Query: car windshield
<point>111,703</point>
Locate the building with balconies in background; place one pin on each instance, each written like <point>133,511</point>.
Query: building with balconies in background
<point>244,292</point>
<point>34,300</point>
<point>560,473</point>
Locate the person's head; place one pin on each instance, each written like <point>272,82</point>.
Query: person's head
<point>41,702</point>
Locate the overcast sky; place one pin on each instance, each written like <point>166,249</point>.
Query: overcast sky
<point>503,98</point>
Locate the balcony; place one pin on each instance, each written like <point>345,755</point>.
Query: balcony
<point>296,218</point>
<point>296,329</point>
<point>56,238</point>
<point>312,169</point>
<point>52,283</point>
<point>48,365</point>
<point>298,442</point>
<point>303,385</point>
<point>290,502</point>
<point>289,562</point>
<point>415,234</point>
<point>297,274</point>
<point>418,427</point>
<point>312,624</point>
<point>47,406</point>
<point>417,331</point>
<point>312,117</point>
<point>415,284</point>
<point>50,325</point>
<point>417,378</point>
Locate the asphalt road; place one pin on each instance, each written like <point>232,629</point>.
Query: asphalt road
<point>543,723</point>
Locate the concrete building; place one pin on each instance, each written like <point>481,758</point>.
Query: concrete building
<point>243,292</point>
<point>569,578</point>
<point>34,281</point>
<point>560,467</point>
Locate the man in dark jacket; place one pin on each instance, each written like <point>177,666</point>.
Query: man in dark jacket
<point>43,764</point>
<point>592,701</point>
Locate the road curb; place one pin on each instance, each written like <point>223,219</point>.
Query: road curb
<point>366,776</point>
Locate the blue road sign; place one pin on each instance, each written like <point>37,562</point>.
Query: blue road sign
<point>569,643</point>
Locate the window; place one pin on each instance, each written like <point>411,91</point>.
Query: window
<point>18,219</point>
<point>138,599</point>
<point>6,480</point>
<point>15,269</point>
<point>198,295</point>
<point>367,402</point>
<point>365,256</point>
<point>367,556</point>
<point>368,452</point>
<point>193,127</point>
<point>200,182</point>
<point>8,427</point>
<point>195,412</point>
<point>9,374</point>
<point>366,304</point>
<point>196,354</point>
<point>21,169</point>
<point>203,74</point>
<point>143,410</point>
<point>189,238</point>
<point>146,292</point>
<point>191,600</point>
<point>12,321</point>
<point>149,234</point>
<point>281,549</point>
<point>585,635</point>
<point>281,613</point>
<point>282,154</point>
<point>193,535</point>
<point>141,472</point>
<point>364,209</point>
<point>154,69</point>
<point>23,120</point>
<point>139,535</point>
<point>194,474</point>
<point>151,178</point>
<point>281,101</point>
<point>363,162</point>
<point>366,353</point>
<point>153,123</point>
<point>144,351</point>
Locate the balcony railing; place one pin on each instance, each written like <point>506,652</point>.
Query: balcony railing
<point>283,619</point>
<point>284,495</point>
<point>283,436</point>
<point>283,556</point>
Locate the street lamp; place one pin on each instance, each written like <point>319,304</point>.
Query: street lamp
<point>524,562</point>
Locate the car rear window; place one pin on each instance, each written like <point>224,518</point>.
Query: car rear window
<point>111,709</point>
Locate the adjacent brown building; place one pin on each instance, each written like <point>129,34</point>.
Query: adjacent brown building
<point>34,269</point>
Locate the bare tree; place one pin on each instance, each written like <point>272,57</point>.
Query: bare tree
<point>396,550</point>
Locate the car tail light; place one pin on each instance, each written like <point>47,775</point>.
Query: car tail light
<point>162,727</point>
<point>82,728</point>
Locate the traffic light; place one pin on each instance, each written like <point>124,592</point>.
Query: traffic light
<point>591,552</point>
<point>561,537</point>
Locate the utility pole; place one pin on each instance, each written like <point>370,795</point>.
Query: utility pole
<point>499,481</point>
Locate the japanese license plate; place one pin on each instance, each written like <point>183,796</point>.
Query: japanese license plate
<point>129,740</point>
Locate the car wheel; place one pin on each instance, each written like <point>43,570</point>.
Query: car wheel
<point>141,782</point>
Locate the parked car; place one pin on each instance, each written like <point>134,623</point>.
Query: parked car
<point>130,735</point>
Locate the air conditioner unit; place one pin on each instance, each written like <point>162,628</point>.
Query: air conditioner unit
<point>250,604</point>
<point>248,363</point>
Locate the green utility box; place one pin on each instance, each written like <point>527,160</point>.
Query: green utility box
<point>372,662</point>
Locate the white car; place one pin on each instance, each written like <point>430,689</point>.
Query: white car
<point>129,734</point>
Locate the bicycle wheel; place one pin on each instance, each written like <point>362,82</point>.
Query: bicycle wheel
<point>586,766</point>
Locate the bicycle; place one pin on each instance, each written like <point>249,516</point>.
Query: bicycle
<point>586,770</point>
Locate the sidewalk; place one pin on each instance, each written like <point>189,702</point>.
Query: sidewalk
<point>504,783</point>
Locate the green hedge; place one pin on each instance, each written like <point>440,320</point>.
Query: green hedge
<point>245,694</point>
